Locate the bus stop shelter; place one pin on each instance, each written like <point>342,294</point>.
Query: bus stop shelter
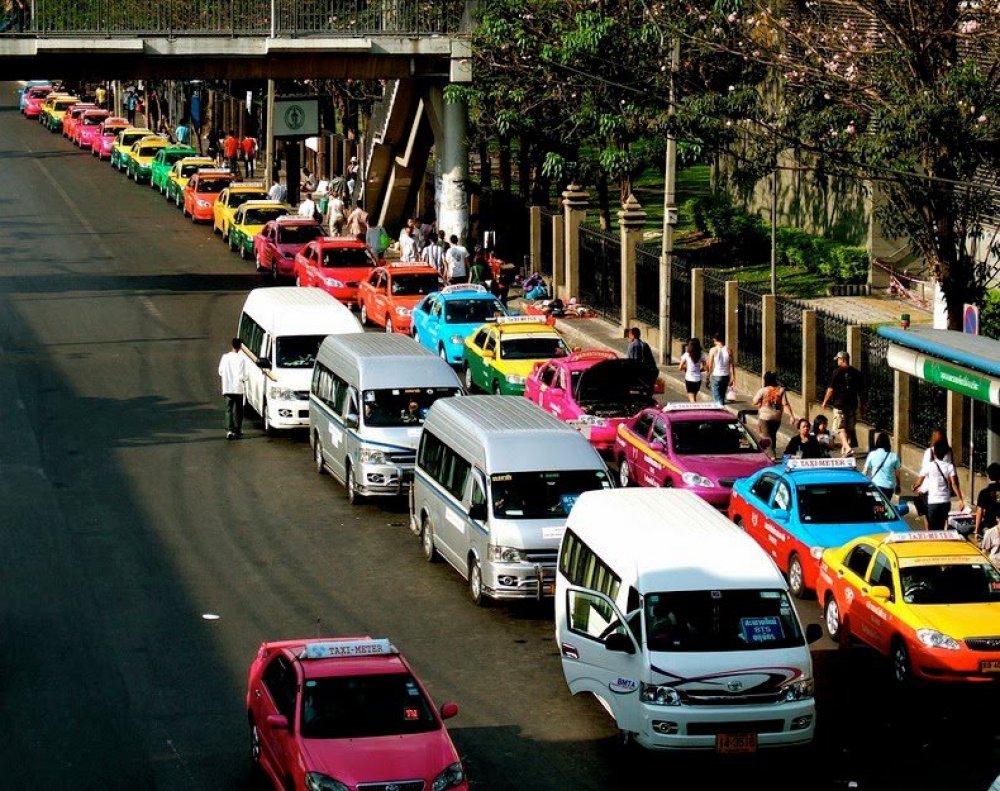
<point>967,365</point>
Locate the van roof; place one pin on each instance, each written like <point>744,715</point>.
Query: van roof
<point>299,311</point>
<point>517,436</point>
<point>381,361</point>
<point>672,539</point>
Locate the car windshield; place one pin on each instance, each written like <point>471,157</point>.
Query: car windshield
<point>171,157</point>
<point>213,185</point>
<point>112,131</point>
<point>532,347</point>
<point>298,234</point>
<point>63,105</point>
<point>711,438</point>
<point>149,151</point>
<point>261,216</point>
<point>542,495</point>
<point>297,351</point>
<point>189,170</point>
<point>949,583</point>
<point>720,620</point>
<point>237,199</point>
<point>337,257</point>
<point>414,285</point>
<point>93,120</point>
<point>472,311</point>
<point>402,406</point>
<point>358,707</point>
<point>841,503</point>
<point>129,139</point>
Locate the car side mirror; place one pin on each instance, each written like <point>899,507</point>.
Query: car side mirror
<point>351,420</point>
<point>277,722</point>
<point>448,710</point>
<point>657,445</point>
<point>902,509</point>
<point>620,642</point>
<point>477,511</point>
<point>764,443</point>
<point>813,633</point>
<point>488,355</point>
<point>880,592</point>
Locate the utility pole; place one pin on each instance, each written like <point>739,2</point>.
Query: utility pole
<point>269,135</point>
<point>774,230</point>
<point>669,217</point>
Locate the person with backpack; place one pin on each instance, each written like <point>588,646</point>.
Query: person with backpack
<point>882,466</point>
<point>638,349</point>
<point>771,402</point>
<point>693,366</point>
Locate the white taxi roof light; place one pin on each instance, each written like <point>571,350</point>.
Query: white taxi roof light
<point>592,354</point>
<point>249,184</point>
<point>473,287</point>
<point>923,535</point>
<point>407,264</point>
<point>336,649</point>
<point>522,320</point>
<point>688,406</point>
<point>820,464</point>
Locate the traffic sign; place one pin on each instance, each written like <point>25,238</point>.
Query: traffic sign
<point>970,320</point>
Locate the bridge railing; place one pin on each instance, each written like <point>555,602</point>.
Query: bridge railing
<point>240,17</point>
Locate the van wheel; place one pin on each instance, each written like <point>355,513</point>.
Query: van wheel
<point>353,497</point>
<point>427,541</point>
<point>796,579</point>
<point>364,315</point>
<point>831,618</point>
<point>624,474</point>
<point>476,583</point>
<point>318,456</point>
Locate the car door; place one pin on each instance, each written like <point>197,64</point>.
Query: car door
<point>590,631</point>
<point>874,617</point>
<point>536,387</point>
<point>635,438</point>
<point>778,541</point>
<point>219,208</point>
<point>313,266</point>
<point>275,694</point>
<point>757,504</point>
<point>435,323</point>
<point>489,359</point>
<point>474,358</point>
<point>656,450</point>
<point>378,306</point>
<point>849,579</point>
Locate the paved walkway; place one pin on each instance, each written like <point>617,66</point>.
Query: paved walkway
<point>871,310</point>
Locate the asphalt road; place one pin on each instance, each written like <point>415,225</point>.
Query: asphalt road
<point>126,518</point>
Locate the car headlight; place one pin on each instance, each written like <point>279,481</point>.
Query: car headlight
<point>817,552</point>
<point>276,393</point>
<point>317,781</point>
<point>592,420</point>
<point>659,695</point>
<point>694,479</point>
<point>457,339</point>
<point>449,778</point>
<point>372,456</point>
<point>932,638</point>
<point>499,554</point>
<point>798,690</point>
<point>203,204</point>
<point>403,311</point>
<point>333,282</point>
<point>514,379</point>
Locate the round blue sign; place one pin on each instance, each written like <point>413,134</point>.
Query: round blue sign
<point>970,320</point>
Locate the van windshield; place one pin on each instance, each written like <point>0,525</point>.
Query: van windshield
<point>542,495</point>
<point>720,620</point>
<point>402,406</point>
<point>297,351</point>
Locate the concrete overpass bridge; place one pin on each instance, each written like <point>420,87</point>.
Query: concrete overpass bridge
<point>418,45</point>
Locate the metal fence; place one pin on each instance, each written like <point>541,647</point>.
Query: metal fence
<point>713,306</point>
<point>831,337</point>
<point>647,286</point>
<point>544,265</point>
<point>788,343</point>
<point>878,379</point>
<point>244,17</point>
<point>750,329</point>
<point>928,409</point>
<point>680,299</point>
<point>600,273</point>
<point>982,413</point>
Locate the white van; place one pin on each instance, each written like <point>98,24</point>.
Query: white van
<point>681,625</point>
<point>369,397</point>
<point>281,329</point>
<point>496,477</point>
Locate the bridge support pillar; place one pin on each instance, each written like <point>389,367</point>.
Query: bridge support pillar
<point>453,170</point>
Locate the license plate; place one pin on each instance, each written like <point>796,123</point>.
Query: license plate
<point>736,742</point>
<point>548,589</point>
<point>990,666</point>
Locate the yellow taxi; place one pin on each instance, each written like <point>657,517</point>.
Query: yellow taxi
<point>139,164</point>
<point>928,600</point>
<point>249,220</point>
<point>125,140</point>
<point>499,356</point>
<point>230,200</point>
<point>181,173</point>
<point>54,109</point>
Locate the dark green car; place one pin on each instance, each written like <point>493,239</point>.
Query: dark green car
<point>163,161</point>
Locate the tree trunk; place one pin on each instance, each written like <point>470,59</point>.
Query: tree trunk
<point>485,164</point>
<point>505,176</point>
<point>603,207</point>
<point>524,166</point>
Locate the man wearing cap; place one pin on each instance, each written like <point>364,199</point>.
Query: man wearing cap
<point>844,393</point>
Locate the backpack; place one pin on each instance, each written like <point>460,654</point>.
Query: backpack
<point>647,356</point>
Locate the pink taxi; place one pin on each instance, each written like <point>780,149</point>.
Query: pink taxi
<point>347,714</point>
<point>698,446</point>
<point>33,99</point>
<point>593,390</point>
<point>89,127</point>
<point>105,136</point>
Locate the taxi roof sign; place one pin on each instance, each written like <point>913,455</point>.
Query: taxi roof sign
<point>473,287</point>
<point>592,354</point>
<point>337,649</point>
<point>821,464</point>
<point>923,535</point>
<point>522,320</point>
<point>259,184</point>
<point>689,406</point>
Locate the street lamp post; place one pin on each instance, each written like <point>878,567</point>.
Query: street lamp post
<point>669,217</point>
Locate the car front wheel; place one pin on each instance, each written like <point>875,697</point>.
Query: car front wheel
<point>831,618</point>
<point>796,577</point>
<point>388,325</point>
<point>902,670</point>
<point>624,474</point>
<point>470,383</point>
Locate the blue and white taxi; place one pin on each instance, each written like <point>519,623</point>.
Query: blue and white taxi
<point>443,320</point>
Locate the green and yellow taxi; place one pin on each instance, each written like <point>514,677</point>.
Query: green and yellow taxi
<point>125,140</point>
<point>230,200</point>
<point>45,107</point>
<point>499,356</point>
<point>249,220</point>
<point>139,163</point>
<point>181,173</point>
<point>163,161</point>
<point>54,110</point>
<point>928,600</point>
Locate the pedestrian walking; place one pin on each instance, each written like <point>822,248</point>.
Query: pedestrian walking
<point>941,482</point>
<point>336,218</point>
<point>233,373</point>
<point>213,144</point>
<point>101,97</point>
<point>231,152</point>
<point>456,259</point>
<point>183,133</point>
<point>988,509</point>
<point>771,402</point>
<point>357,222</point>
<point>844,393</point>
<point>278,191</point>
<point>248,145</point>
<point>480,272</point>
<point>433,254</point>
<point>721,368</point>
<point>407,244</point>
<point>882,466</point>
<point>638,349</point>
<point>308,208</point>
<point>693,365</point>
<point>131,105</point>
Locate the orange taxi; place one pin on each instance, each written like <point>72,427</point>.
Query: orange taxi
<point>202,191</point>
<point>388,295</point>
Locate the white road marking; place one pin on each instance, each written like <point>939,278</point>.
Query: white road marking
<point>147,303</point>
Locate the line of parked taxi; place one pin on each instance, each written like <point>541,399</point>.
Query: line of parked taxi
<point>673,579</point>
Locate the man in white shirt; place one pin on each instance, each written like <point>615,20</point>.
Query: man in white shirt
<point>233,373</point>
<point>336,218</point>
<point>278,191</point>
<point>456,259</point>
<point>407,245</point>
<point>308,207</point>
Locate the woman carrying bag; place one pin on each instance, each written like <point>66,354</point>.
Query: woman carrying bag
<point>771,402</point>
<point>882,466</point>
<point>941,481</point>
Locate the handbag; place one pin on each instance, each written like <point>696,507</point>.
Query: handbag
<point>731,394</point>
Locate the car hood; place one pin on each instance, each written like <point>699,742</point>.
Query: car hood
<point>961,620</point>
<point>382,758</point>
<point>737,465</point>
<point>616,380</point>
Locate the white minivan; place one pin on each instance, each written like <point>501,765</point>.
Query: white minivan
<point>369,397</point>
<point>681,625</point>
<point>281,330</point>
